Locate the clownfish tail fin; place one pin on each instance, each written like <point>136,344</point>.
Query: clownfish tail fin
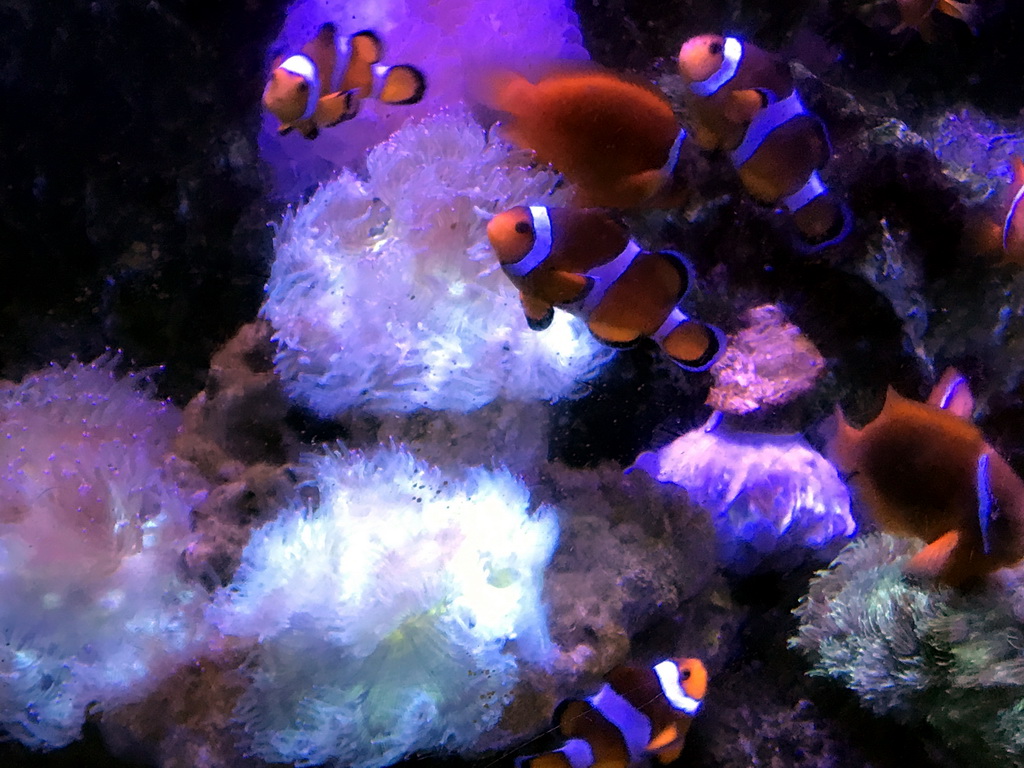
<point>692,345</point>
<point>403,84</point>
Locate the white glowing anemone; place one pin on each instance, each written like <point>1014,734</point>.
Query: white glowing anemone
<point>384,295</point>
<point>384,616</point>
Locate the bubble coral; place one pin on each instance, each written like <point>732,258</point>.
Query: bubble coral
<point>376,293</point>
<point>770,496</point>
<point>383,615</point>
<point>446,38</point>
<point>94,517</point>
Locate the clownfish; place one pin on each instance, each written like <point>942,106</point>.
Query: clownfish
<point>917,14</point>
<point>583,261</point>
<point>924,470</point>
<point>728,82</point>
<point>743,101</point>
<point>614,137</point>
<point>302,92</point>
<point>638,713</point>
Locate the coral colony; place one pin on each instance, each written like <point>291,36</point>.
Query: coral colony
<point>474,233</point>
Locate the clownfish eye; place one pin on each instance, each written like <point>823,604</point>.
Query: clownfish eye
<point>685,675</point>
<point>522,228</point>
<point>715,48</point>
<point>303,86</point>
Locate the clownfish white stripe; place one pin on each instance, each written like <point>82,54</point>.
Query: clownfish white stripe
<point>812,189</point>
<point>731,55</point>
<point>603,277</point>
<point>1008,222</point>
<point>578,752</point>
<point>673,154</point>
<point>955,386</point>
<point>675,317</point>
<point>984,490</point>
<point>303,66</point>
<point>764,122</point>
<point>541,244</point>
<point>631,723</point>
<point>668,675</point>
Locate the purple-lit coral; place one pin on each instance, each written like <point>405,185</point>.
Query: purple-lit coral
<point>382,294</point>
<point>382,616</point>
<point>771,497</point>
<point>766,364</point>
<point>94,521</point>
<point>449,40</point>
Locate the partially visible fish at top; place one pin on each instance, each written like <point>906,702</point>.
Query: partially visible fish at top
<point>306,93</point>
<point>612,135</point>
<point>919,15</point>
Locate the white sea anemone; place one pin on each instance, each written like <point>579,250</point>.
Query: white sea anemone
<point>384,615</point>
<point>93,522</point>
<point>383,294</point>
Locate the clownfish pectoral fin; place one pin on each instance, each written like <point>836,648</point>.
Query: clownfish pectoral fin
<point>337,108</point>
<point>663,739</point>
<point>691,344</point>
<point>284,129</point>
<point>933,559</point>
<point>953,394</point>
<point>743,105</point>
<point>539,313</point>
<point>403,84</point>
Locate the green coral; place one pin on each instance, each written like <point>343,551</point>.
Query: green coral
<point>917,652</point>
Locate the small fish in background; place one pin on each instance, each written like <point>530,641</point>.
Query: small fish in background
<point>924,470</point>
<point>302,93</point>
<point>638,713</point>
<point>742,100</point>
<point>615,137</point>
<point>919,15</point>
<point>583,261</point>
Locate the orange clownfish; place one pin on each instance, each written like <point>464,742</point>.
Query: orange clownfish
<point>924,470</point>
<point>614,137</point>
<point>302,93</point>
<point>744,103</point>
<point>917,14</point>
<point>728,82</point>
<point>583,261</point>
<point>638,713</point>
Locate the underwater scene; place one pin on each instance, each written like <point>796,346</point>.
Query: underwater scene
<point>573,384</point>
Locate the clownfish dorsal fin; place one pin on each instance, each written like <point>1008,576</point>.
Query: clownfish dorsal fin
<point>1017,169</point>
<point>986,501</point>
<point>953,394</point>
<point>932,560</point>
<point>323,51</point>
<point>842,443</point>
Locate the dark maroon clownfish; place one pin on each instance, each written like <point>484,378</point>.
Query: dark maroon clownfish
<point>583,261</point>
<point>302,93</point>
<point>638,713</point>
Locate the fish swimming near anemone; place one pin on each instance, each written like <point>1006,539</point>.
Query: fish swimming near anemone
<point>305,91</point>
<point>613,136</point>
<point>728,82</point>
<point>638,713</point>
<point>924,470</point>
<point>742,100</point>
<point>919,15</point>
<point>582,260</point>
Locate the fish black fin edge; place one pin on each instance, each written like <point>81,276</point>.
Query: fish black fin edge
<point>711,354</point>
<point>418,92</point>
<point>837,234</point>
<point>378,43</point>
<point>685,268</point>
